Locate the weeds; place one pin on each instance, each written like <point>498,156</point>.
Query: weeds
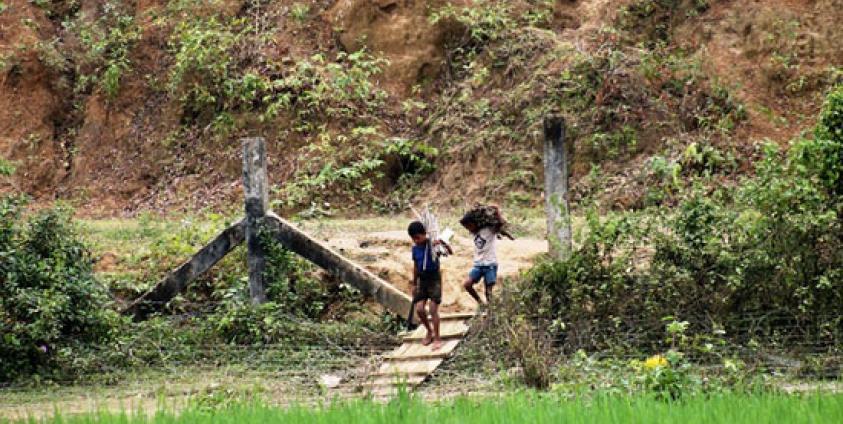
<point>202,64</point>
<point>300,12</point>
<point>6,168</point>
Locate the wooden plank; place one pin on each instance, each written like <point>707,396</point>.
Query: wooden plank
<point>323,256</point>
<point>395,380</point>
<point>423,365</point>
<point>175,282</point>
<point>256,190</point>
<point>411,363</point>
<point>412,348</point>
<point>445,327</point>
<point>444,337</point>
<point>447,330</point>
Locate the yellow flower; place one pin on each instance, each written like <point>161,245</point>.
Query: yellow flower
<point>655,361</point>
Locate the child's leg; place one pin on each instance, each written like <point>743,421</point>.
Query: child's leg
<point>473,277</point>
<point>490,279</point>
<point>468,285</point>
<point>420,310</point>
<point>434,314</point>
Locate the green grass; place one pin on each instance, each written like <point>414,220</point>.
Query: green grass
<point>515,408</point>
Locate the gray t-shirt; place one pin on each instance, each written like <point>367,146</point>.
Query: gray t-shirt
<point>484,247</point>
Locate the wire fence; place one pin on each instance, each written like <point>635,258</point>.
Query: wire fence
<point>772,344</point>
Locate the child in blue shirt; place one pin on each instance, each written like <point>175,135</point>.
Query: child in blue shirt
<point>427,282</point>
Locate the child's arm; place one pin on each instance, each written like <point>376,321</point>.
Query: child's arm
<point>501,223</point>
<point>446,245</point>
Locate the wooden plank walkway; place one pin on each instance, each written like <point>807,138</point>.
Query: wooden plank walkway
<point>411,364</point>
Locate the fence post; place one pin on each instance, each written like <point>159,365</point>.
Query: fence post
<point>556,188</point>
<point>256,190</point>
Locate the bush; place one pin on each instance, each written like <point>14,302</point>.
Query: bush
<point>203,64</point>
<point>771,248</point>
<point>50,302</point>
<point>822,157</point>
<point>106,44</point>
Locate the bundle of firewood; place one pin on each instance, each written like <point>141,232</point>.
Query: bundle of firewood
<point>488,216</point>
<point>431,226</point>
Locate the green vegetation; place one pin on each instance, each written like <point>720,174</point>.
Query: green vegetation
<point>769,246</point>
<point>517,408</point>
<point>50,303</point>
<point>312,95</point>
<point>107,42</point>
<point>300,12</point>
<point>6,168</point>
<point>64,323</point>
<point>203,63</point>
<point>653,303</point>
<point>619,99</point>
<point>653,21</point>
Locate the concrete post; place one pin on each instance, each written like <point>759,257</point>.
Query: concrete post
<point>556,188</point>
<point>256,190</point>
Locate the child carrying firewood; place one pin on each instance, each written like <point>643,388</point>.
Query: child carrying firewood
<point>486,224</point>
<point>427,281</point>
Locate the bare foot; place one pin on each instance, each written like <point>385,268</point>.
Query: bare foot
<point>427,339</point>
<point>436,345</point>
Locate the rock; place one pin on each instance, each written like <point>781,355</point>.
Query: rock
<point>330,381</point>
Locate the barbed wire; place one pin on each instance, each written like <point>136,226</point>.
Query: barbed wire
<point>788,347</point>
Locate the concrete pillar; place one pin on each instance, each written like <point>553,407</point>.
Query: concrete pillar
<point>556,188</point>
<point>256,190</point>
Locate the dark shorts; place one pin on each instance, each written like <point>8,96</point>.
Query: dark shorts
<point>488,273</point>
<point>430,287</point>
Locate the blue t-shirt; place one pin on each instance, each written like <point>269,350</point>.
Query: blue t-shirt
<point>420,253</point>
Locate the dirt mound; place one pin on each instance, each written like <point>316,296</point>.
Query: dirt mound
<point>31,109</point>
<point>137,149</point>
<point>778,54</point>
<point>398,29</point>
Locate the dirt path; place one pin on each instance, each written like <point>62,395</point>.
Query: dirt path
<point>387,253</point>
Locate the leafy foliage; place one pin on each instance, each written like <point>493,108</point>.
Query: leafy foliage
<point>203,64</point>
<point>6,168</point>
<point>107,41</point>
<point>50,303</point>
<point>771,246</point>
<point>618,100</point>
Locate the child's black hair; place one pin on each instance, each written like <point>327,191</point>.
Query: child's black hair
<point>468,218</point>
<point>416,227</point>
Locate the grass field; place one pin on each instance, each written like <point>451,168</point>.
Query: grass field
<point>515,408</point>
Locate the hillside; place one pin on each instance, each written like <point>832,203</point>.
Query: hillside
<point>124,106</point>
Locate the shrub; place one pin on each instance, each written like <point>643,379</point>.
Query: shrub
<point>50,303</point>
<point>770,247</point>
<point>822,157</point>
<point>106,44</point>
<point>6,168</point>
<point>202,64</point>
